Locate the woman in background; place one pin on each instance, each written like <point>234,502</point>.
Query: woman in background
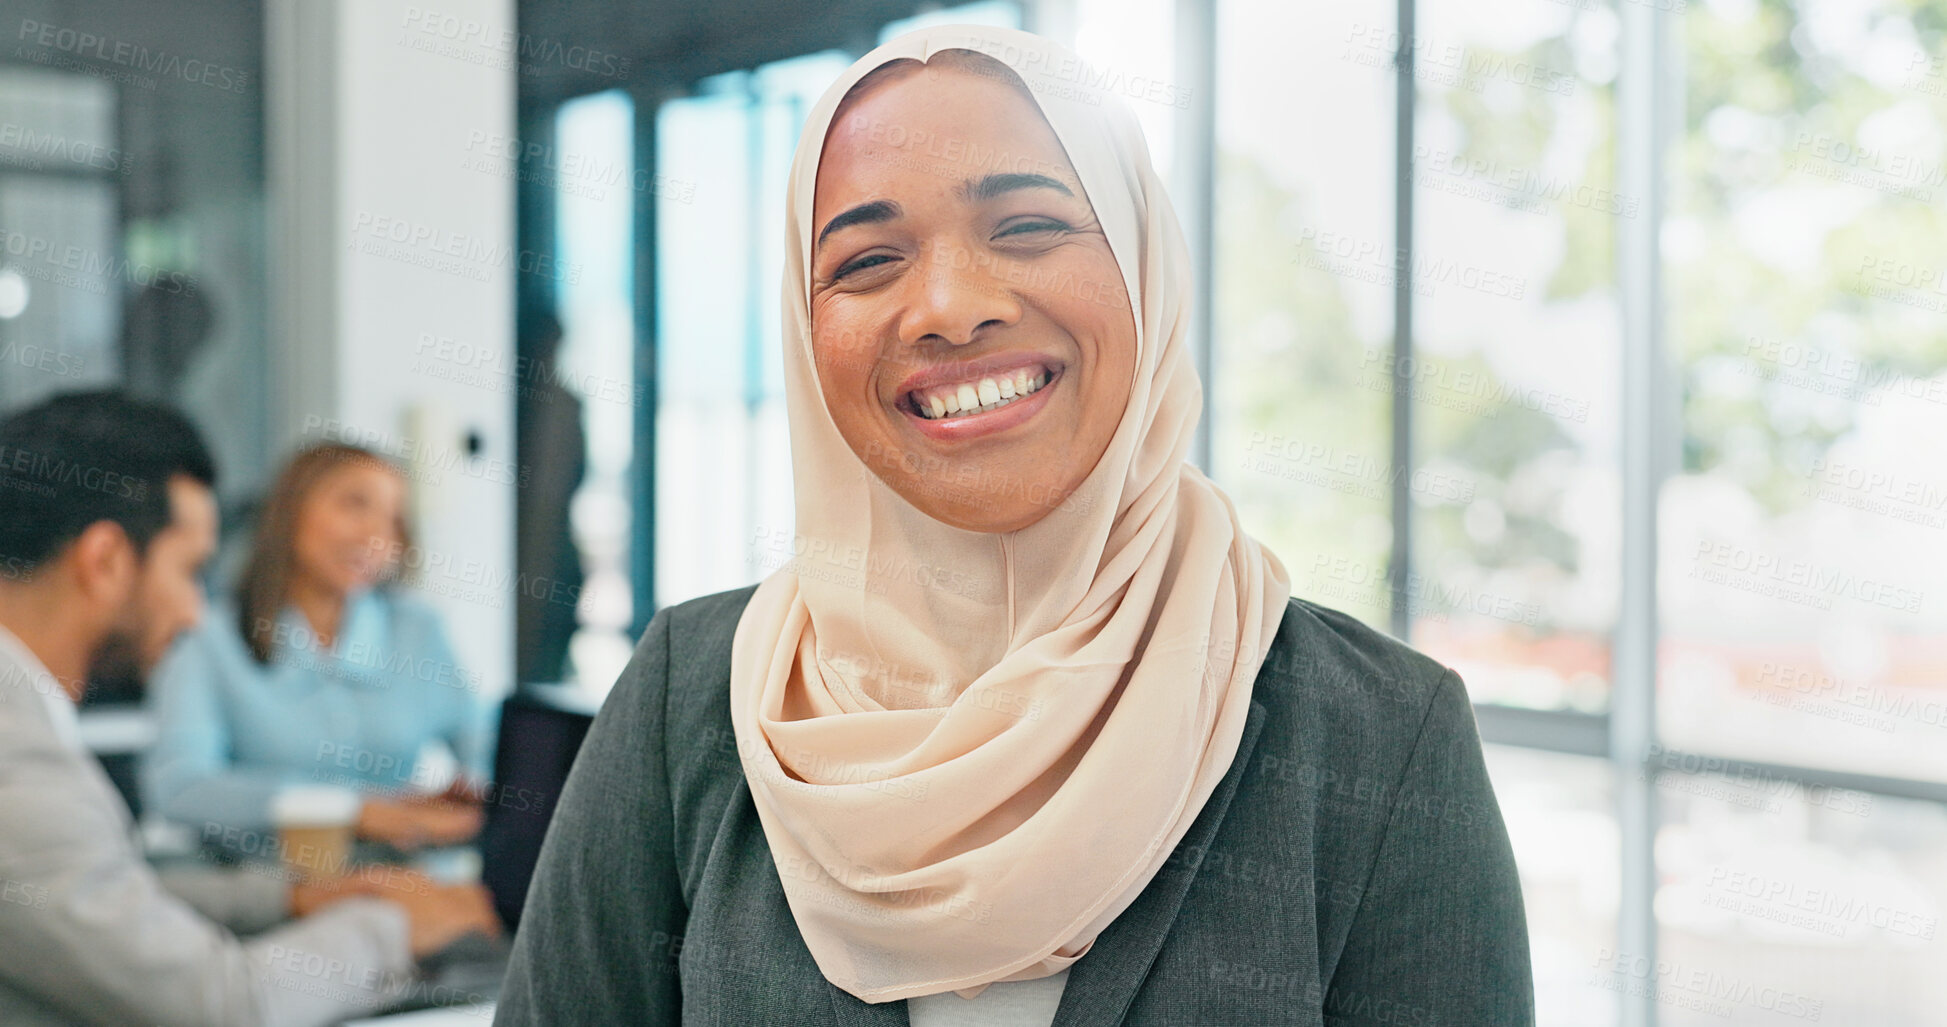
<point>320,673</point>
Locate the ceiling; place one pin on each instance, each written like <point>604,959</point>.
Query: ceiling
<point>671,43</point>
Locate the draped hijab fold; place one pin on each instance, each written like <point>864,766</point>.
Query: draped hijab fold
<point>970,751</point>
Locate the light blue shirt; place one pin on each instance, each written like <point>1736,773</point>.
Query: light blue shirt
<point>232,733</point>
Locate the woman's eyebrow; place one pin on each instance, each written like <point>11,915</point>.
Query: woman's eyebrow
<point>863,214</point>
<point>990,186</point>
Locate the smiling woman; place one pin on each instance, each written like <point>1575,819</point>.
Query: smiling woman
<point>955,336</point>
<point>1032,731</point>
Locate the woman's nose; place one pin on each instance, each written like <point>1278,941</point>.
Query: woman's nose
<point>955,291</point>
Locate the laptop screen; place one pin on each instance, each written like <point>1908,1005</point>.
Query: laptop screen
<point>538,743</point>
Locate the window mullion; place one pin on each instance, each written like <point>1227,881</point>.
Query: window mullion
<point>1641,131</point>
<point>1400,562</point>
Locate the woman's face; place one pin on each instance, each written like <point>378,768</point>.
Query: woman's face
<point>347,529</point>
<point>956,262</point>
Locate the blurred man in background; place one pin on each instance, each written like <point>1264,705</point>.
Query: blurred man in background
<point>106,517</point>
<point>554,449</point>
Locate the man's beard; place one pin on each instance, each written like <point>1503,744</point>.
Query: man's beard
<point>118,659</point>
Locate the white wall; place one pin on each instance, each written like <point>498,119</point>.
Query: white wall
<point>387,235</point>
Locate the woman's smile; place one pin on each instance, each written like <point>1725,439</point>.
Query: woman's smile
<point>979,398</point>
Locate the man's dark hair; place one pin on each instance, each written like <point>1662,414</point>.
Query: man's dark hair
<point>83,457</point>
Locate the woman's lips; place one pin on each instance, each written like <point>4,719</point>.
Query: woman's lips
<point>958,427</point>
<point>363,563</point>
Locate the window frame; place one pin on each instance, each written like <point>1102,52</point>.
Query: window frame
<point>1650,113</point>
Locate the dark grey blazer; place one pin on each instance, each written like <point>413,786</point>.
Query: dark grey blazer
<point>1352,867</point>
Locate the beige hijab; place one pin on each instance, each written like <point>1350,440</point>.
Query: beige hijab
<point>971,751</point>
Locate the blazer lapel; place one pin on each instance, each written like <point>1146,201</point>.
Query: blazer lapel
<point>1103,982</point>
<point>853,1011</point>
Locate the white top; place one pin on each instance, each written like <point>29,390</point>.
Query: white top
<point>447,1016</point>
<point>1004,1004</point>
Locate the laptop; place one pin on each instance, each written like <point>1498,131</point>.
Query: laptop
<point>541,731</point>
<point>540,734</point>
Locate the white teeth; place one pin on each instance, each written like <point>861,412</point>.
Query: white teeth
<point>982,396</point>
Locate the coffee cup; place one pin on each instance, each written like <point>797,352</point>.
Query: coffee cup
<point>314,829</point>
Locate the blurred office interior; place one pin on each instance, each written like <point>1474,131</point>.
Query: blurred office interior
<point>1599,350</point>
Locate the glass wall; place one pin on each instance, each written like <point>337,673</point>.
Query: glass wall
<point>594,219</point>
<point>133,235</point>
<point>1515,483</point>
<point>1806,537</point>
<point>1561,817</point>
<point>723,452</point>
<point>1446,320</point>
<point>61,168</point>
<point>1780,904</point>
<point>1303,293</point>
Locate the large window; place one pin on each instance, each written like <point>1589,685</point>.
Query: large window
<point>133,229</point>
<point>61,170</point>
<point>721,437</point>
<point>1514,486</point>
<point>1599,349</point>
<point>594,222</point>
<point>1510,490</point>
<point>1805,540</point>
